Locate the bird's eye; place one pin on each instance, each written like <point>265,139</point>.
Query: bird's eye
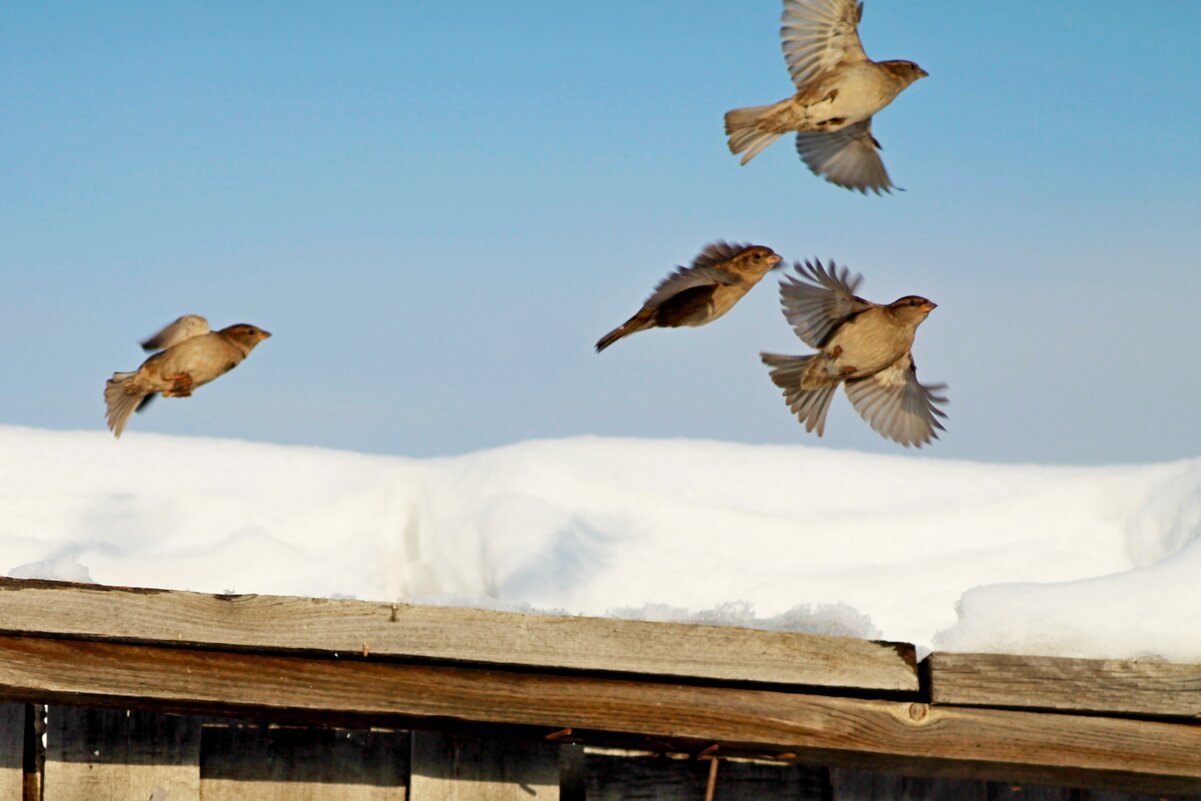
<point>758,256</point>
<point>913,302</point>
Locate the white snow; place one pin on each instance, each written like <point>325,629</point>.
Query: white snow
<point>1072,561</point>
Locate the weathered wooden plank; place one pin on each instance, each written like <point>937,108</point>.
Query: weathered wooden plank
<point>35,751</point>
<point>1111,686</point>
<point>12,751</point>
<point>101,754</point>
<point>621,778</point>
<point>282,623</point>
<point>910,738</point>
<point>859,785</point>
<point>573,779</point>
<point>453,767</point>
<point>268,763</point>
<point>1110,795</point>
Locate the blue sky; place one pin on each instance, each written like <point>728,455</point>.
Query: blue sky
<point>437,209</point>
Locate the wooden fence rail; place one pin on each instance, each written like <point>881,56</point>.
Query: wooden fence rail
<point>168,696</point>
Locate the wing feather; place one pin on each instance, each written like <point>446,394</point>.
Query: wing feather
<point>817,35</point>
<point>846,158</point>
<point>186,327</point>
<point>704,271</point>
<point>819,299</point>
<point>897,406</point>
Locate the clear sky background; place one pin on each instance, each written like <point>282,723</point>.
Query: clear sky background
<point>437,208</point>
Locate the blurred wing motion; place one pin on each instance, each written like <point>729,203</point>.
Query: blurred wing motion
<point>818,35</point>
<point>816,305</point>
<point>897,406</point>
<point>687,278</point>
<point>704,271</point>
<point>847,157</point>
<point>186,327</point>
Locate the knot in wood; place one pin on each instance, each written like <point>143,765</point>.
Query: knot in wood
<point>918,712</point>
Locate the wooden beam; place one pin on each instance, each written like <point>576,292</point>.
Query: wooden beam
<point>1110,686</point>
<point>889,735</point>
<point>287,624</point>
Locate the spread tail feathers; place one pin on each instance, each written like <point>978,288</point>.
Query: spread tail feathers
<point>122,398</point>
<point>809,405</point>
<point>638,322</point>
<point>742,126</point>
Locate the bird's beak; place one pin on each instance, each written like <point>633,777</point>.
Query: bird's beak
<point>263,335</point>
<point>777,261</point>
<point>929,306</point>
<point>921,73</point>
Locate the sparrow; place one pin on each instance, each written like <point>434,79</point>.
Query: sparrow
<point>862,345</point>
<point>188,356</point>
<point>717,279</point>
<point>838,90</point>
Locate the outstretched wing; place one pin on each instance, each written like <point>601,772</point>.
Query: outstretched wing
<point>704,271</point>
<point>847,157</point>
<point>897,406</point>
<point>186,327</point>
<point>820,299</point>
<point>817,35</point>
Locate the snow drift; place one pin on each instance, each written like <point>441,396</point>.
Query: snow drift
<point>1072,561</point>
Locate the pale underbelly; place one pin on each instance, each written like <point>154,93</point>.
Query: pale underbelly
<point>859,356</point>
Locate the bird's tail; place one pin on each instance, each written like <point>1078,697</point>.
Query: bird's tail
<point>638,322</point>
<point>742,126</point>
<point>122,397</point>
<point>808,404</point>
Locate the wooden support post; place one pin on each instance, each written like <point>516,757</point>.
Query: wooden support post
<point>449,767</point>
<point>573,776</point>
<point>12,751</point>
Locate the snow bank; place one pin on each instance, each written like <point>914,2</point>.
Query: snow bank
<point>958,555</point>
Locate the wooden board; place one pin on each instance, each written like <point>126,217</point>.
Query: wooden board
<point>858,785</point>
<point>617,778</point>
<point>12,751</point>
<point>102,754</point>
<point>1111,686</point>
<point>908,737</point>
<point>268,763</point>
<point>283,623</point>
<point>453,767</point>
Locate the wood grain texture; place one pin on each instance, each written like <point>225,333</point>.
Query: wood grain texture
<point>268,763</point>
<point>451,767</point>
<point>114,755</point>
<point>280,623</point>
<point>858,785</point>
<point>12,751</point>
<point>1110,686</point>
<point>612,778</point>
<point>908,737</point>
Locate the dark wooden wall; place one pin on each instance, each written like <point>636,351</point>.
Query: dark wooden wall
<point>94,754</point>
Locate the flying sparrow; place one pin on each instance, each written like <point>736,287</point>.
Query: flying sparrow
<point>189,356</point>
<point>695,295</point>
<point>861,344</point>
<point>838,90</point>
